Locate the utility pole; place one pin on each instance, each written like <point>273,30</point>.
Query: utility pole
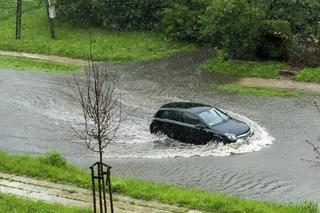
<point>50,13</point>
<point>18,19</point>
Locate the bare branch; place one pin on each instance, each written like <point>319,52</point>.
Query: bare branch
<point>100,104</point>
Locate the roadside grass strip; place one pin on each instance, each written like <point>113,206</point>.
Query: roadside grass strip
<point>260,91</point>
<point>308,75</point>
<point>242,68</point>
<point>74,41</point>
<point>20,63</point>
<point>9,203</point>
<point>55,168</point>
<point>259,69</point>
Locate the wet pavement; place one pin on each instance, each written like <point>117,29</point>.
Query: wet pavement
<point>37,113</point>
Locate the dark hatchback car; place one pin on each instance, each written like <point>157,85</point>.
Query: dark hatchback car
<point>198,124</point>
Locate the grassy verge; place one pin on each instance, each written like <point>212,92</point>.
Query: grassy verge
<point>53,167</point>
<point>74,42</point>
<point>16,204</point>
<point>20,63</point>
<point>259,91</point>
<point>308,75</point>
<point>240,68</point>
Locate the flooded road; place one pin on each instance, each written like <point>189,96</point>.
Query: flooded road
<point>37,113</point>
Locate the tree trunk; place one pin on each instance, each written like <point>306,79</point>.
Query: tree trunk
<point>18,19</point>
<point>100,153</point>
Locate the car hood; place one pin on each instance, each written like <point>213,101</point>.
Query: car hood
<point>231,126</point>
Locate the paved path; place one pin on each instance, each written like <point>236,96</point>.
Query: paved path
<point>52,58</point>
<point>74,196</point>
<point>280,84</point>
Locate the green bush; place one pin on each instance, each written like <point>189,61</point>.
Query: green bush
<point>131,14</point>
<point>78,12</point>
<point>181,19</point>
<point>113,14</point>
<point>305,51</point>
<point>232,25</point>
<point>274,40</point>
<point>54,159</point>
<point>302,15</point>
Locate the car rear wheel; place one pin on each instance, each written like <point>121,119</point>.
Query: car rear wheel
<point>157,130</point>
<point>171,134</point>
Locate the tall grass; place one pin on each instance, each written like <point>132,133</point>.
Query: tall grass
<point>308,75</point>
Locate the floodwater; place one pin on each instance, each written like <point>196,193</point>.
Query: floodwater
<point>37,113</point>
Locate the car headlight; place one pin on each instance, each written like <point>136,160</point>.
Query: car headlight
<point>231,137</point>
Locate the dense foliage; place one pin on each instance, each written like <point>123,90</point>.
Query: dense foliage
<point>182,19</point>
<point>274,39</point>
<point>77,12</point>
<point>113,14</point>
<point>305,51</point>
<point>303,15</point>
<point>233,25</point>
<point>259,29</point>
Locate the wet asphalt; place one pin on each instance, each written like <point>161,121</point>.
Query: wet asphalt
<point>37,112</point>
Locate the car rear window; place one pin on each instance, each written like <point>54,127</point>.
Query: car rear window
<point>159,114</point>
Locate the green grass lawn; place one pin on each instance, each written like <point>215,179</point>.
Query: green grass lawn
<point>53,167</point>
<point>20,63</point>
<point>263,69</point>
<point>308,75</point>
<point>259,91</point>
<point>10,203</point>
<point>74,42</point>
<point>241,68</point>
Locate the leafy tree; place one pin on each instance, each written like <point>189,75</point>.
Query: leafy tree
<point>181,19</point>
<point>303,15</point>
<point>232,25</point>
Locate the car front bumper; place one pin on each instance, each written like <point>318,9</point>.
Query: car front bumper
<point>245,135</point>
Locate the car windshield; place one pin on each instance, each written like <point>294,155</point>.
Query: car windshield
<point>213,116</point>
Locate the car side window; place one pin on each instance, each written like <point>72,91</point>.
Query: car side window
<point>190,119</point>
<point>173,115</point>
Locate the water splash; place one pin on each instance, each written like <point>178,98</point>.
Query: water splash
<point>135,141</point>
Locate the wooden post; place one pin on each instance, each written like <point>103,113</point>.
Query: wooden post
<point>93,190</point>
<point>50,20</point>
<point>110,189</point>
<point>100,176</point>
<point>18,19</point>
